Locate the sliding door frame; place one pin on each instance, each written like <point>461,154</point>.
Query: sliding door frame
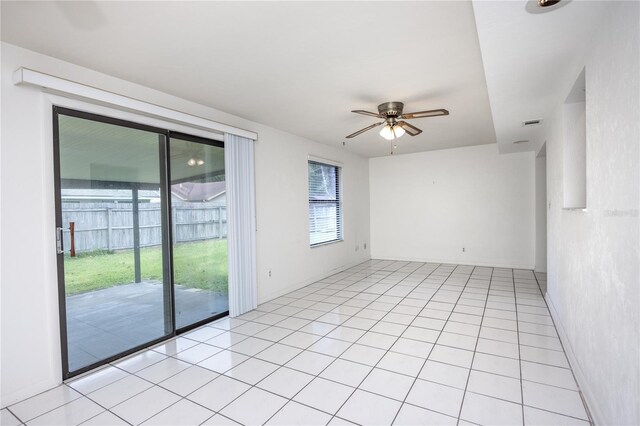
<point>164,142</point>
<point>203,141</point>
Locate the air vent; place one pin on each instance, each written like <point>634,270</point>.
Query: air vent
<point>522,141</point>
<point>531,123</point>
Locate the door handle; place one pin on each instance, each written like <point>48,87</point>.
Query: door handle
<point>59,240</point>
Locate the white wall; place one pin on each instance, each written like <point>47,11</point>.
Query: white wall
<point>428,206</point>
<point>541,214</point>
<point>593,271</point>
<point>30,351</point>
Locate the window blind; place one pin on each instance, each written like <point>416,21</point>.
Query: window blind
<point>325,203</point>
<point>241,226</point>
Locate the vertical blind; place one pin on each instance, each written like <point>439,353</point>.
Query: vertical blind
<point>325,203</point>
<point>241,226</point>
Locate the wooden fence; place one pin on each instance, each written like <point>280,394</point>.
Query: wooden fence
<point>109,226</point>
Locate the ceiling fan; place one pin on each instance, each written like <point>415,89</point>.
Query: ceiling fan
<point>391,113</point>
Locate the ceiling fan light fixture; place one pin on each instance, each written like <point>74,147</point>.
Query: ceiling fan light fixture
<point>191,162</point>
<point>391,132</point>
<point>394,120</point>
<point>387,133</point>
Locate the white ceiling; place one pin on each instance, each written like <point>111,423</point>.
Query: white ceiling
<point>297,66</point>
<point>302,66</point>
<point>531,62</point>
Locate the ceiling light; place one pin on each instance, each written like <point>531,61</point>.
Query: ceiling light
<point>391,132</point>
<point>195,162</point>
<point>547,3</point>
<point>387,133</point>
<point>543,6</point>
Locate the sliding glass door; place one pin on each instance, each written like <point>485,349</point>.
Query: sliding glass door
<point>199,218</point>
<point>141,229</point>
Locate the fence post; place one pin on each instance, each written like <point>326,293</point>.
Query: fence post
<point>109,228</point>
<point>135,210</point>
<point>72,236</point>
<point>174,225</point>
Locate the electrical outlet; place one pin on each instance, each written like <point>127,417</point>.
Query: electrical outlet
<point>365,245</point>
<point>269,273</point>
<point>464,249</point>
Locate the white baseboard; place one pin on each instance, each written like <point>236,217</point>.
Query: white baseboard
<point>470,262</point>
<point>587,394</point>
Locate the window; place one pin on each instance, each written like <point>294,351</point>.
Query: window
<point>325,203</point>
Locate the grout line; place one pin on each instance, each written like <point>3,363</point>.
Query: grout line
<point>152,383</point>
<point>219,374</point>
<point>415,380</point>
<point>364,276</point>
<point>475,348</point>
<point>515,291</point>
<point>280,366</point>
<point>46,412</point>
<point>398,338</point>
<point>97,403</point>
<point>353,343</point>
<point>14,414</point>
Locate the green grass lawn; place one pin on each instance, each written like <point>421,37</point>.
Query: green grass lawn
<point>200,264</point>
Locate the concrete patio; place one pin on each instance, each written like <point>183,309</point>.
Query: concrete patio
<point>106,322</point>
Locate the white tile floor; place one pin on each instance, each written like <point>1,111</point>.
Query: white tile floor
<point>384,342</point>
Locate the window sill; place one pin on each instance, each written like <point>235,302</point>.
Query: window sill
<point>326,243</point>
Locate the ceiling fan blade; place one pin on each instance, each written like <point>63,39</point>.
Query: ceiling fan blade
<point>353,135</point>
<point>423,114</point>
<point>411,130</point>
<point>372,114</point>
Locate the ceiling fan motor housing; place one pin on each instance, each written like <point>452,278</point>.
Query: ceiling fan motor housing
<point>391,109</point>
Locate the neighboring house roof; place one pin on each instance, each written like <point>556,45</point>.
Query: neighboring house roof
<point>190,191</point>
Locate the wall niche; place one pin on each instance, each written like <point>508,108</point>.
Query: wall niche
<point>574,158</point>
